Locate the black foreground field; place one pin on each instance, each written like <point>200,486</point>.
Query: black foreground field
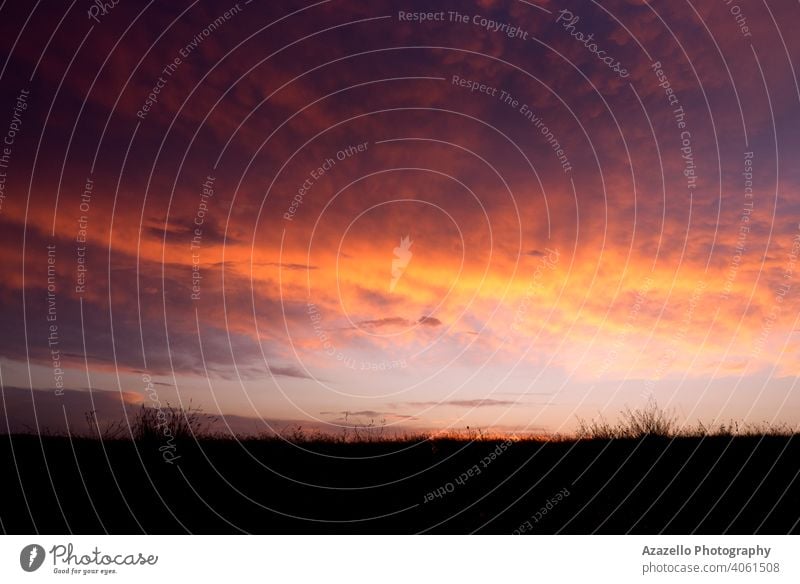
<point>722,484</point>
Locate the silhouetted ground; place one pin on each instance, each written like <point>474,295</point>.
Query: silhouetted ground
<point>742,485</point>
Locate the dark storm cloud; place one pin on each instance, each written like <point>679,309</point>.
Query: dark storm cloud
<point>467,403</point>
<point>397,321</point>
<point>289,371</point>
<point>348,416</point>
<point>290,266</point>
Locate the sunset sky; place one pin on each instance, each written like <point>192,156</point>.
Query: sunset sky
<point>504,215</point>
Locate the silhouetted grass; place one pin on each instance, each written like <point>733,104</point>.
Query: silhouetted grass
<point>642,473</point>
<point>179,424</point>
<point>653,420</point>
<point>156,424</point>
